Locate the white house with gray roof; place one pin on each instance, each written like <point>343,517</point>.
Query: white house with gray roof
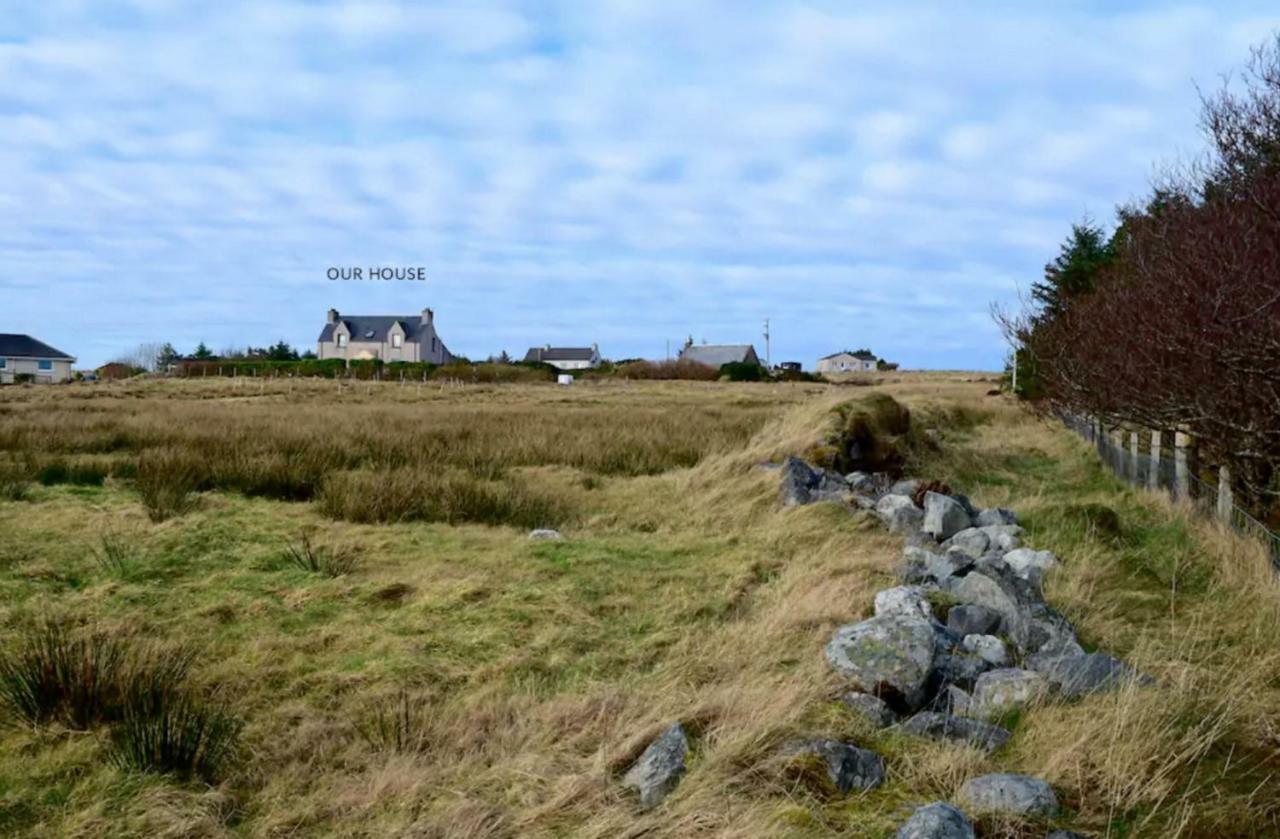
<point>862,361</point>
<point>23,356</point>
<point>565,358</point>
<point>386,337</point>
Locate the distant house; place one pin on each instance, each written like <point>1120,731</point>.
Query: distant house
<point>789,366</point>
<point>718,355</point>
<point>847,362</point>
<point>385,337</point>
<point>565,358</point>
<point>22,356</point>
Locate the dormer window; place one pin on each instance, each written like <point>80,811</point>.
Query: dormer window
<point>342,340</point>
<point>397,340</point>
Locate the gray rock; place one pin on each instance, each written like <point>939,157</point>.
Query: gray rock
<point>1010,795</point>
<point>957,668</point>
<point>938,726</point>
<point>871,708</point>
<point>989,648</point>
<point>923,565</point>
<point>1031,564</point>
<point>1073,676</point>
<point>1002,690</point>
<point>952,700</point>
<point>889,656</point>
<point>803,484</point>
<point>903,600</point>
<point>899,512</point>
<point>1004,537</point>
<point>848,767</point>
<point>936,821</point>
<point>992,584</point>
<point>1042,631</point>
<point>544,534</point>
<point>972,619</point>
<point>658,770</point>
<point>906,487</point>
<point>970,541</point>
<point>860,481</point>
<point>995,516</point>
<point>943,516</point>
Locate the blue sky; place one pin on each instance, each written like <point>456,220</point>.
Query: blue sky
<point>622,171</point>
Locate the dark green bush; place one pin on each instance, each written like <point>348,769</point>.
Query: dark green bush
<point>63,472</point>
<point>742,371</point>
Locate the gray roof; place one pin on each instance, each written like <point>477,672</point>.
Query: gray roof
<point>862,354</point>
<point>24,346</point>
<point>537,354</point>
<point>717,355</point>
<point>375,327</point>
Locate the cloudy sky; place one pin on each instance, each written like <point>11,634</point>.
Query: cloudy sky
<point>621,171</point>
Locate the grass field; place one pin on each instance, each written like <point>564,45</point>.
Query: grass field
<point>453,678</point>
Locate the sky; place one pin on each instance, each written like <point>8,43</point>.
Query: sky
<point>623,172</point>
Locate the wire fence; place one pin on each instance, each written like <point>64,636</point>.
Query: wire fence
<point>1158,471</point>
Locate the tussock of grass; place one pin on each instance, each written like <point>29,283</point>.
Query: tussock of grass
<point>167,481</point>
<point>453,497</point>
<point>115,555</point>
<point>175,732</point>
<point>318,559</point>
<point>397,725</point>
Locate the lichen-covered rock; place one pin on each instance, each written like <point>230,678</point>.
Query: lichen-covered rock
<point>971,541</point>
<point>953,667</point>
<point>903,600</point>
<point>940,726</point>
<point>989,648</point>
<point>848,767</point>
<point>922,565</point>
<point>1073,676</point>
<point>899,513</point>
<point>860,481</point>
<point>1031,564</point>
<point>658,770</point>
<point>804,484</point>
<point>938,820</point>
<point>952,700</point>
<point>943,516</point>
<point>1008,794</point>
<point>997,691</point>
<point>544,534</point>
<point>873,709</point>
<point>995,516</point>
<point>889,656</point>
<point>972,619</point>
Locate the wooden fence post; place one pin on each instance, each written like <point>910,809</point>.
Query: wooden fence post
<point>1224,494</point>
<point>1135,471</point>
<point>1117,454</point>
<point>1153,478</point>
<point>1181,474</point>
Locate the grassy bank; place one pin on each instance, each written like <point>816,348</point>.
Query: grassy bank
<point>456,679</point>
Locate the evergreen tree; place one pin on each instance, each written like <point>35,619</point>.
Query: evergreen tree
<point>1074,272</point>
<point>202,353</point>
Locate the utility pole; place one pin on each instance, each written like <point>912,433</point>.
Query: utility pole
<point>768,360</point>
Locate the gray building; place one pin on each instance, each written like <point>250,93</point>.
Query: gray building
<point>388,337</point>
<point>718,355</point>
<point>22,355</point>
<point>565,358</point>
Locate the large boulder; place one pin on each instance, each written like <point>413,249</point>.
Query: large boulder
<point>1006,794</point>
<point>922,565</point>
<point>997,691</point>
<point>903,600</point>
<point>899,513</point>
<point>938,820</point>
<point>847,767</point>
<point>873,709</point>
<point>991,583</point>
<point>890,656</point>
<point>1031,564</point>
<point>658,770</point>
<point>940,726</point>
<point>972,619</point>
<point>944,517</point>
<point>1073,676</point>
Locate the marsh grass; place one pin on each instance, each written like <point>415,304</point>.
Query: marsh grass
<point>319,559</point>
<point>453,497</point>
<point>15,482</point>
<point>116,556</point>
<point>175,732</point>
<point>398,725</point>
<point>166,481</point>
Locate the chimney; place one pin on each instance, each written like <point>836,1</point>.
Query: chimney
<point>428,316</point>
<point>333,316</point>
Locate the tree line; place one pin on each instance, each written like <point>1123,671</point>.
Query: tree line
<point>1173,320</point>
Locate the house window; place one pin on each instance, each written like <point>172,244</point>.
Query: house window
<point>2,362</point>
<point>397,340</point>
<point>44,365</point>
<point>342,340</point>
<point>433,343</point>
